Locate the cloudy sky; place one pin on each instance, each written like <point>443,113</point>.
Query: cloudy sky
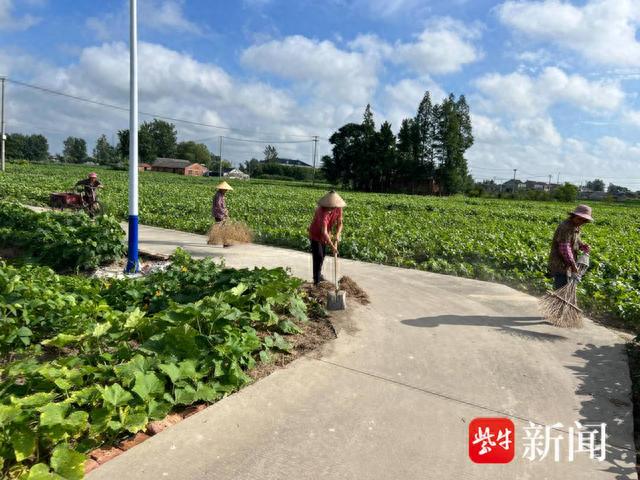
<point>552,84</point>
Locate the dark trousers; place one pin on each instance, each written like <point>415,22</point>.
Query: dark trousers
<point>318,253</point>
<point>559,280</point>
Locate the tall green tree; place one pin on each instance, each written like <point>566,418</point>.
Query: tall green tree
<point>195,152</point>
<point>34,148</point>
<point>37,148</point>
<point>75,150</point>
<point>105,153</point>
<point>270,153</point>
<point>164,137</point>
<point>16,146</point>
<point>425,132</point>
<point>596,185</point>
<point>155,139</point>
<point>349,144</point>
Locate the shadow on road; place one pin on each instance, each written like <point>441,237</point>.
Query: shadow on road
<point>516,326</point>
<point>608,400</point>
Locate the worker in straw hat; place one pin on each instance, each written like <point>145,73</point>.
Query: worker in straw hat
<point>566,244</point>
<point>328,217</point>
<point>219,208</point>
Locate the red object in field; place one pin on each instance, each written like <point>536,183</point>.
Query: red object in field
<point>65,200</point>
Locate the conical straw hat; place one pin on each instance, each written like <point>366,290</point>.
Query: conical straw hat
<point>332,200</point>
<point>224,186</point>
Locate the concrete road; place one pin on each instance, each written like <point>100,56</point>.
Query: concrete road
<point>393,395</point>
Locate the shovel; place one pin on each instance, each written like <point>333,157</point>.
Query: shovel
<point>336,300</point>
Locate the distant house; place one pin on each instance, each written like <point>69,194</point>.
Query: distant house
<point>513,185</point>
<point>586,194</point>
<point>144,167</point>
<point>181,167</point>
<point>540,186</point>
<point>235,174</point>
<point>289,161</point>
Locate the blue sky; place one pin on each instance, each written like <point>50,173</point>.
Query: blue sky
<point>552,84</point>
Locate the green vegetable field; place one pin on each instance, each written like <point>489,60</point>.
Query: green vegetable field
<point>497,240</point>
<point>87,362</point>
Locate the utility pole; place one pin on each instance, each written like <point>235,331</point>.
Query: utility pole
<point>549,184</point>
<point>220,164</point>
<point>2,134</point>
<point>514,179</point>
<point>133,265</point>
<point>315,153</point>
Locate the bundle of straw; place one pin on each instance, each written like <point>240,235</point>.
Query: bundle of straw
<point>229,232</point>
<point>560,308</point>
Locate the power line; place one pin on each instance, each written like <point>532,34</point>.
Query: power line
<point>267,141</point>
<point>126,109</point>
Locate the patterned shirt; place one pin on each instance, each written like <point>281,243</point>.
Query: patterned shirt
<point>564,248</point>
<point>219,209</point>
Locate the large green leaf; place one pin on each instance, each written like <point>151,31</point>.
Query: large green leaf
<point>53,414</point>
<point>171,370</point>
<point>158,409</point>
<point>67,462</point>
<point>7,414</point>
<point>116,395</point>
<point>185,396</point>
<point>147,385</point>
<point>23,441</point>
<point>41,471</point>
<point>62,340</point>
<point>134,420</point>
<point>36,400</point>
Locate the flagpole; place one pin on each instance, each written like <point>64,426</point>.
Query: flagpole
<point>132,261</point>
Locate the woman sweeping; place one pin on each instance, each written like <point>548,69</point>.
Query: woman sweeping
<point>566,244</point>
<point>328,217</point>
<point>219,208</point>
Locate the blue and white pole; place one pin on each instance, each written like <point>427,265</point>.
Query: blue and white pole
<point>132,262</point>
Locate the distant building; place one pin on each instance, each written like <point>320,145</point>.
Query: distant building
<point>234,173</point>
<point>289,161</point>
<point>540,186</point>
<point>181,167</point>
<point>513,185</point>
<point>144,167</point>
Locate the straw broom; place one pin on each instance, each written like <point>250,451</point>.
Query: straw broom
<point>560,308</point>
<point>229,232</point>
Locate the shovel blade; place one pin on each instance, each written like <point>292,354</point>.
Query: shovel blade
<point>337,301</point>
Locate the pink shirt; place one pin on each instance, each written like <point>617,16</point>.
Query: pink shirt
<point>324,218</point>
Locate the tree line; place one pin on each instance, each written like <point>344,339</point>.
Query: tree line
<point>156,138</point>
<point>427,155</point>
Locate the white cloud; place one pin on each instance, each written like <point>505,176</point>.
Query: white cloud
<point>445,46</point>
<point>171,83</point>
<point>602,31</point>
<point>539,130</point>
<point>575,160</point>
<point>521,95</point>
<point>10,22</point>
<point>159,15</point>
<point>632,117</point>
<point>488,130</point>
<point>401,99</point>
<point>318,67</point>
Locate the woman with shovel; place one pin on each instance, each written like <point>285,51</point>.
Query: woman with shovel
<point>328,217</point>
<point>566,245</point>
